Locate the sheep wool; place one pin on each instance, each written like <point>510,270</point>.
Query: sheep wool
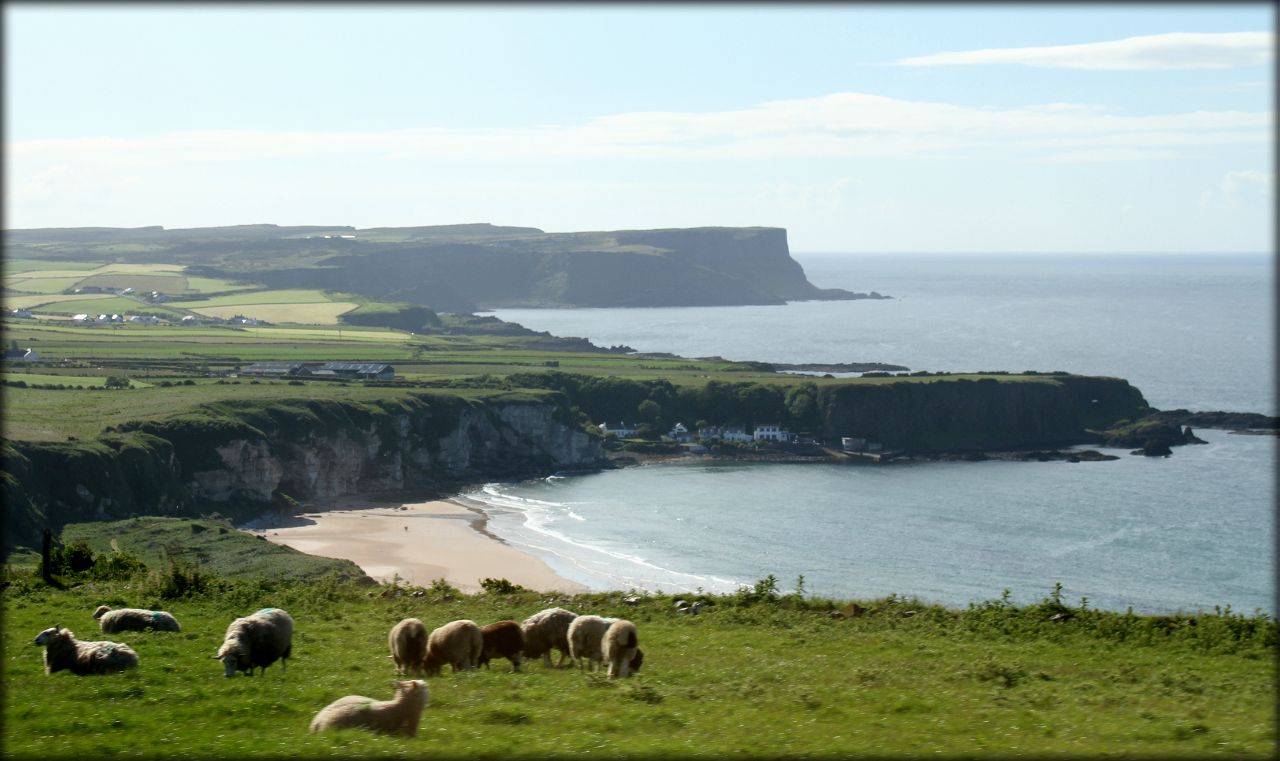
<point>408,643</point>
<point>547,630</point>
<point>63,652</point>
<point>586,636</point>
<point>503,639</point>
<point>620,648</point>
<point>135,620</point>
<point>259,639</point>
<point>457,643</point>
<point>398,716</point>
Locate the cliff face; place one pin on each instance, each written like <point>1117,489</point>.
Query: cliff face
<point>713,266</point>
<point>958,414</point>
<point>248,458</point>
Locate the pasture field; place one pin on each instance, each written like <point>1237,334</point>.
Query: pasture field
<point>35,267</point>
<point>308,313</point>
<point>86,381</point>
<point>52,302</point>
<point>280,296</point>
<point>756,675</point>
<point>48,285</point>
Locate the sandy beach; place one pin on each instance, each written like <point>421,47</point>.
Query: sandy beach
<point>420,542</point>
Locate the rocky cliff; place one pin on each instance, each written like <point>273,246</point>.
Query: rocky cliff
<point>241,459</point>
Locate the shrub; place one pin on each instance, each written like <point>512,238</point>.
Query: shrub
<point>500,586</point>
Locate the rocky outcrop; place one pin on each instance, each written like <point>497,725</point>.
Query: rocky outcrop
<point>242,459</point>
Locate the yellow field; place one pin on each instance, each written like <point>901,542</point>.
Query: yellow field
<point>323,313</point>
<point>347,334</point>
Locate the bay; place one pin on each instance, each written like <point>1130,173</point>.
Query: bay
<point>1159,535</point>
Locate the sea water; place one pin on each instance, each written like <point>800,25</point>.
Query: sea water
<point>1187,532</point>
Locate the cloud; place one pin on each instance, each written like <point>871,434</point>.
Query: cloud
<point>1248,184</point>
<point>835,126</point>
<point>1178,50</point>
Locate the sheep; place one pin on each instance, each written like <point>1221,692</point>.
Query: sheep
<point>585,635</point>
<point>457,643</point>
<point>398,716</point>
<point>135,620</point>
<point>257,640</point>
<point>62,651</point>
<point>621,648</point>
<point>408,643</point>
<point>503,639</point>
<point>545,630</point>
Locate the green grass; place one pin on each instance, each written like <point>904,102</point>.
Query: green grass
<point>88,381</point>
<point>52,302</point>
<point>99,305</point>
<point>746,678</point>
<point>44,285</point>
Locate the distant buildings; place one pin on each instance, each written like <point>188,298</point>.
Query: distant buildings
<point>342,370</point>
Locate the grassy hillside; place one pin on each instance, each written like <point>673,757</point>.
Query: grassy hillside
<point>757,674</point>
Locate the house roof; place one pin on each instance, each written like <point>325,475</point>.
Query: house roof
<point>372,368</point>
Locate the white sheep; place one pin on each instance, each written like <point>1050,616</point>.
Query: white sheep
<point>135,620</point>
<point>547,630</point>
<point>398,716</point>
<point>258,639</point>
<point>621,648</point>
<point>408,643</point>
<point>586,634</point>
<point>457,643</point>
<point>63,651</point>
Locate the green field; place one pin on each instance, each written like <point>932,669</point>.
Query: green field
<point>86,381</point>
<point>756,675</point>
<point>49,285</point>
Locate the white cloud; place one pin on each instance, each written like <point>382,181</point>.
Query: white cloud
<point>1178,50</point>
<point>1248,183</point>
<point>840,125</point>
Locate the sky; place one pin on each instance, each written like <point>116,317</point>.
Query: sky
<point>861,128</point>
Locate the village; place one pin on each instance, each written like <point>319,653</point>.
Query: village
<point>771,435</point>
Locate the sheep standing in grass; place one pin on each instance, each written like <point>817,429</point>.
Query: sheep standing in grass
<point>621,649</point>
<point>586,635</point>
<point>398,716</point>
<point>135,620</point>
<point>63,652</point>
<point>503,639</point>
<point>546,630</point>
<point>457,643</point>
<point>257,640</point>
<point>408,643</point>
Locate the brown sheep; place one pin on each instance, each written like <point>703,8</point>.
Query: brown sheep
<point>503,639</point>
<point>457,643</point>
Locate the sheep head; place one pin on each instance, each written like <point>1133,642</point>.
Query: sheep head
<point>233,658</point>
<point>43,637</point>
<point>101,610</point>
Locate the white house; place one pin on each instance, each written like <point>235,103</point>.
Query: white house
<point>735,433</point>
<point>771,432</point>
<point>680,434</point>
<point>710,433</point>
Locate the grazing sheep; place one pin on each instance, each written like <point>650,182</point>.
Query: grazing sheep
<point>398,716</point>
<point>457,643</point>
<point>62,651</point>
<point>257,640</point>
<point>585,636</point>
<point>546,630</point>
<point>503,639</point>
<point>135,620</point>
<point>408,643</point>
<point>621,648</point>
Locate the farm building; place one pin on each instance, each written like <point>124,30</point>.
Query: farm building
<point>276,369</point>
<point>360,370</point>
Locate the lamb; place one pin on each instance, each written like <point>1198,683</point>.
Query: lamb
<point>503,639</point>
<point>545,630</point>
<point>621,649</point>
<point>398,716</point>
<point>585,636</point>
<point>63,651</point>
<point>457,643</point>
<point>135,620</point>
<point>257,640</point>
<point>408,643</point>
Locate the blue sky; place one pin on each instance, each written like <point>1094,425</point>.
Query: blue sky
<point>859,127</point>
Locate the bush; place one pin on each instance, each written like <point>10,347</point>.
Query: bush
<point>500,586</point>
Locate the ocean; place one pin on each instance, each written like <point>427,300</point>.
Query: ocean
<point>1158,535</point>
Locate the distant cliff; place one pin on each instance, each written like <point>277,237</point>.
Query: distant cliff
<point>244,458</point>
<point>463,268</point>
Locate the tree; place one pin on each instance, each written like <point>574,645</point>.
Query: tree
<point>117,381</point>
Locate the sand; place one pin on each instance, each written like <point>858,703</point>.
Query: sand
<point>420,542</point>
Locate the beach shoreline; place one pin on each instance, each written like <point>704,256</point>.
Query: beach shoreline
<point>415,542</point>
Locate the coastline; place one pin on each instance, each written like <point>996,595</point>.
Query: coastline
<point>418,542</point>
